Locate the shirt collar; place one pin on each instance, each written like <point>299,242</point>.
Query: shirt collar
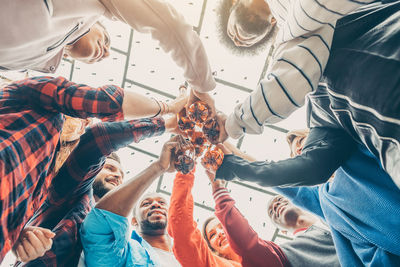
<point>151,253</point>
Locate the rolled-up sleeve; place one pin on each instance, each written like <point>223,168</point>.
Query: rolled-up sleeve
<point>104,238</point>
<point>57,94</point>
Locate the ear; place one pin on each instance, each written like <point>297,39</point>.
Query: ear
<point>134,222</point>
<point>273,21</point>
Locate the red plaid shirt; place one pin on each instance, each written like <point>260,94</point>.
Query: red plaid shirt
<point>30,123</point>
<point>70,194</point>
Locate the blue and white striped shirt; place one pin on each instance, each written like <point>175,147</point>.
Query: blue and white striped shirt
<point>303,46</point>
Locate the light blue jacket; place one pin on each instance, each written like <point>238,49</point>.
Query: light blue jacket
<point>106,242</point>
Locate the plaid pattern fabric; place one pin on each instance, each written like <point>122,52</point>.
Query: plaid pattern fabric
<point>30,123</point>
<point>70,194</point>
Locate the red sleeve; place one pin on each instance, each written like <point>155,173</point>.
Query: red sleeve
<point>189,247</point>
<point>242,238</point>
<point>76,100</point>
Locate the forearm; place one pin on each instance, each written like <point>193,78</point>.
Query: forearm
<point>99,141</point>
<point>138,106</point>
<point>190,248</point>
<point>241,236</point>
<point>181,207</point>
<point>166,25</point>
<point>236,151</point>
<point>325,150</point>
<point>290,172</point>
<point>122,199</point>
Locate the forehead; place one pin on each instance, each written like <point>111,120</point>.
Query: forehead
<point>152,197</point>
<point>214,223</point>
<point>114,163</point>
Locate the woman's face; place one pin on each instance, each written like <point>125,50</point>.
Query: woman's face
<point>217,238</point>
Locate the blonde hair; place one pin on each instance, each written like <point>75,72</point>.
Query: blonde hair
<point>72,127</point>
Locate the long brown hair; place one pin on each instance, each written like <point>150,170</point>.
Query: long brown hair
<point>204,230</point>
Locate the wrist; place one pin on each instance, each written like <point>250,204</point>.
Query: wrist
<point>158,168</point>
<point>169,125</point>
<point>217,186</point>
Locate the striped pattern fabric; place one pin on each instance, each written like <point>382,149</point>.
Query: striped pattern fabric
<point>303,46</point>
<point>30,123</point>
<point>70,195</point>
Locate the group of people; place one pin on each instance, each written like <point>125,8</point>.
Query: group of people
<point>62,196</point>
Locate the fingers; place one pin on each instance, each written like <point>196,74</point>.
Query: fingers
<point>28,249</point>
<point>48,233</point>
<point>45,238</point>
<point>34,243</point>
<point>21,254</point>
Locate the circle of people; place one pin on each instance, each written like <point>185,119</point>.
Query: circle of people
<point>63,199</point>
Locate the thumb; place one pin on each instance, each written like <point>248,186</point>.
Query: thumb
<point>46,232</point>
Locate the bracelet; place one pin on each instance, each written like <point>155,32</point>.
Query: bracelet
<point>165,108</point>
<point>159,106</point>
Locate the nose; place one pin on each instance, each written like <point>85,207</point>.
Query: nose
<point>276,205</point>
<point>220,232</point>
<point>155,205</point>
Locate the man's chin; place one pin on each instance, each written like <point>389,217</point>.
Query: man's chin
<point>154,224</point>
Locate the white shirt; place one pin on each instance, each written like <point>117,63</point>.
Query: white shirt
<point>37,32</point>
<point>167,259</point>
<point>302,49</point>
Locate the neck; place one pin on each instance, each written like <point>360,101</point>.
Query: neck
<point>233,257</point>
<point>161,241</point>
<point>305,221</point>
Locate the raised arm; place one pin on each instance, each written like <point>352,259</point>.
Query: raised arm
<point>121,200</point>
<point>325,151</point>
<point>166,25</point>
<point>241,236</point>
<point>98,141</point>
<point>103,232</point>
<point>308,15</point>
<point>79,100</point>
<point>190,248</point>
<point>295,70</point>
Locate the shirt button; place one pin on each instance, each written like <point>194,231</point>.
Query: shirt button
<point>52,68</point>
<point>81,22</point>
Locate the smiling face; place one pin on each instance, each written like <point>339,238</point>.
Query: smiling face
<point>217,239</point>
<point>108,178</point>
<point>92,47</point>
<point>151,214</point>
<point>283,213</point>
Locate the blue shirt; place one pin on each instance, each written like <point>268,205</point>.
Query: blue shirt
<point>106,242</point>
<point>361,206</point>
